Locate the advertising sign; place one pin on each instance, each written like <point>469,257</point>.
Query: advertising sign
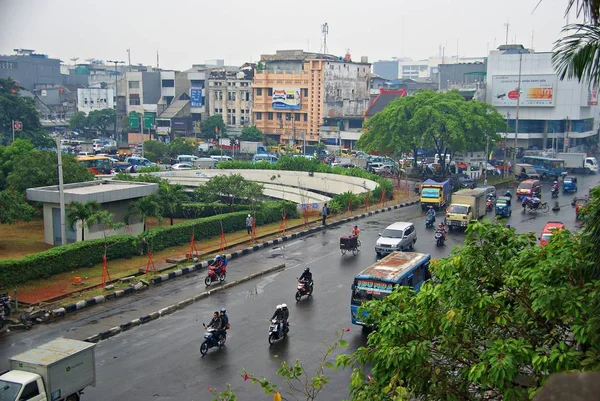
<point>374,286</point>
<point>196,97</point>
<point>536,90</point>
<point>286,99</point>
<point>593,96</point>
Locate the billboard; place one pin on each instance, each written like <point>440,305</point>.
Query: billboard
<point>593,96</point>
<point>286,99</point>
<point>196,97</point>
<point>536,90</point>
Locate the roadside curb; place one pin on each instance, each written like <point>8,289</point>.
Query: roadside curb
<point>60,312</point>
<point>175,307</point>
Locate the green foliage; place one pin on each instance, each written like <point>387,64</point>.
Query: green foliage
<point>213,126</point>
<point>498,311</point>
<point>163,237</point>
<point>148,206</point>
<point>199,210</point>
<point>157,148</point>
<point>181,147</point>
<point>78,121</point>
<point>40,169</point>
<point>171,196</point>
<point>63,259</point>
<point>13,207</point>
<point>576,54</point>
<point>81,211</point>
<point>101,119</point>
<point>143,177</point>
<point>232,187</point>
<point>150,169</point>
<point>252,133</point>
<point>19,108</point>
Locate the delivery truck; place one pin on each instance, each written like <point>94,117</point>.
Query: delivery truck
<point>579,162</point>
<point>436,194</point>
<point>56,371</point>
<point>467,205</point>
<point>252,148</point>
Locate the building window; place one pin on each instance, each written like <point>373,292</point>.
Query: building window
<point>258,116</point>
<point>305,117</point>
<point>168,83</point>
<point>231,96</point>
<point>338,92</point>
<point>8,65</point>
<point>247,96</point>
<point>305,92</point>
<point>258,91</point>
<point>269,115</point>
<point>270,92</point>
<point>279,116</point>
<point>297,117</point>
<point>134,84</point>
<point>288,116</point>
<point>134,99</point>
<point>169,99</point>
<point>216,111</point>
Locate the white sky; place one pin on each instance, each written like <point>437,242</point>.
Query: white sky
<point>192,31</point>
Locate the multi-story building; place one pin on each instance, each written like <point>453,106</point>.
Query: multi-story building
<point>429,68</point>
<point>462,75</point>
<point>143,91</point>
<point>89,99</point>
<point>552,113</point>
<point>31,70</point>
<point>296,93</point>
<point>230,94</point>
<point>386,69</point>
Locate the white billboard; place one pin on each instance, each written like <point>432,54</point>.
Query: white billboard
<point>536,90</point>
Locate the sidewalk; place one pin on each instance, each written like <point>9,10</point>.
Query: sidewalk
<point>59,289</point>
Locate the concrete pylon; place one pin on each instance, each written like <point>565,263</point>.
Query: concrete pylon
<point>556,207</point>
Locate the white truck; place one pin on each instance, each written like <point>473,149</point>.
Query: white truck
<point>56,371</point>
<point>579,162</point>
<point>252,148</point>
<point>467,205</point>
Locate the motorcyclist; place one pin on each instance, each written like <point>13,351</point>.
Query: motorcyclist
<point>286,315</point>
<point>215,324</point>
<point>279,316</point>
<point>441,229</point>
<point>508,193</point>
<point>306,277</point>
<point>431,212</point>
<point>224,325</point>
<point>555,186</point>
<point>220,262</point>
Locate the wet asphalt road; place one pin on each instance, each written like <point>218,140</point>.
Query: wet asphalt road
<point>161,360</point>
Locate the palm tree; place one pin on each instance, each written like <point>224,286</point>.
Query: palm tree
<point>171,196</point>
<point>148,206</point>
<point>84,212</point>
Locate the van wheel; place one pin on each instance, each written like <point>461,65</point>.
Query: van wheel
<point>72,397</point>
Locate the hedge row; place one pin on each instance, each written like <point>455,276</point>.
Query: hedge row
<point>64,258</point>
<point>164,237</point>
<point>199,210</point>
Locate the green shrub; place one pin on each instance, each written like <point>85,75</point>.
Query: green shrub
<point>163,237</point>
<point>64,258</point>
<point>199,210</point>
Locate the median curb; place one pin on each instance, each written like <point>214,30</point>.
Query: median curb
<point>60,312</point>
<point>175,307</point>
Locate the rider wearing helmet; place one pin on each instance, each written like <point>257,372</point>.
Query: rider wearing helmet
<point>279,316</point>
<point>306,276</point>
<point>441,228</point>
<point>507,226</point>
<point>286,315</point>
<point>431,212</point>
<point>555,186</point>
<point>220,263</point>
<point>224,325</point>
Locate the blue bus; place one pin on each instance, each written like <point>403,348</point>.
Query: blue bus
<point>378,280</point>
<point>546,166</point>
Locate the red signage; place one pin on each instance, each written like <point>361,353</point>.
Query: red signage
<point>513,95</point>
<point>17,125</point>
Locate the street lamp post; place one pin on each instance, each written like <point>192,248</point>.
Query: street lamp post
<point>505,137</point>
<point>518,106</point>
<point>61,193</point>
<point>116,97</point>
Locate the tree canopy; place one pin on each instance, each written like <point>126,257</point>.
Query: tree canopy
<point>14,107</point>
<point>252,133</point>
<point>234,187</point>
<point>444,121</point>
<point>499,315</point>
<point>210,126</point>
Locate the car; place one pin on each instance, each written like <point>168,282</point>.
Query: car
<point>548,229</point>
<point>529,188</point>
<point>461,181</point>
<point>396,237</point>
<point>181,166</point>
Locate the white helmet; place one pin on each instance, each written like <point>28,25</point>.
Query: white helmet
<point>556,182</point>
<point>249,215</point>
<point>279,307</point>
<point>284,306</point>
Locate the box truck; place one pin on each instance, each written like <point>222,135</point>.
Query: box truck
<point>467,205</point>
<point>579,162</point>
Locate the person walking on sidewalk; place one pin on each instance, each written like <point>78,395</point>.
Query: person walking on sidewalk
<point>324,214</point>
<point>249,221</point>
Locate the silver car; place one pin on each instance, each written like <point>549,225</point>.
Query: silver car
<point>396,237</point>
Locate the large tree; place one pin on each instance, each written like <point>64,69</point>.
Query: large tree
<point>171,196</point>
<point>83,212</point>
<point>14,107</point>
<point>180,146</point>
<point>213,126</point>
<point>40,169</point>
<point>101,120</point>
<point>252,133</point>
<point>13,207</point>
<point>78,122</point>
<point>232,187</point>
<point>499,313</point>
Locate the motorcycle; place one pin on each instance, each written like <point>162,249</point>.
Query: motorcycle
<point>5,303</point>
<point>211,340</point>
<point>429,221</point>
<point>554,193</point>
<point>275,332</point>
<point>489,205</point>
<point>214,276</point>
<point>304,288</point>
<point>440,238</point>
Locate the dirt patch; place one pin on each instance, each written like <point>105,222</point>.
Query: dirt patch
<point>22,238</point>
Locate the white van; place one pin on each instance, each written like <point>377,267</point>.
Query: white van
<point>186,159</point>
<point>222,158</point>
<point>264,158</point>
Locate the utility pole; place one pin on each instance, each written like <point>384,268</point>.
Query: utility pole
<point>505,135</point>
<point>518,105</point>
<point>116,98</point>
<point>61,193</point>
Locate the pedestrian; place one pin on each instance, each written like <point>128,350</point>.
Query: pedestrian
<point>325,213</point>
<point>249,221</point>
<point>143,246</point>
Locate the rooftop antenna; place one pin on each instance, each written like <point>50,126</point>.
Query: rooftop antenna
<point>89,60</point>
<point>74,60</point>
<point>157,64</point>
<point>129,57</point>
<point>532,31</point>
<point>506,24</point>
<point>325,32</point>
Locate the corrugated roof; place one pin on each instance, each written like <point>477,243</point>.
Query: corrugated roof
<point>382,100</point>
<point>174,108</point>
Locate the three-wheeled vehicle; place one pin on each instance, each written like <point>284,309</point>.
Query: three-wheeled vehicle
<point>349,244</point>
<point>569,184</point>
<point>503,206</point>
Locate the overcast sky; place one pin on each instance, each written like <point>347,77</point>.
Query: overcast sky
<point>192,31</point>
